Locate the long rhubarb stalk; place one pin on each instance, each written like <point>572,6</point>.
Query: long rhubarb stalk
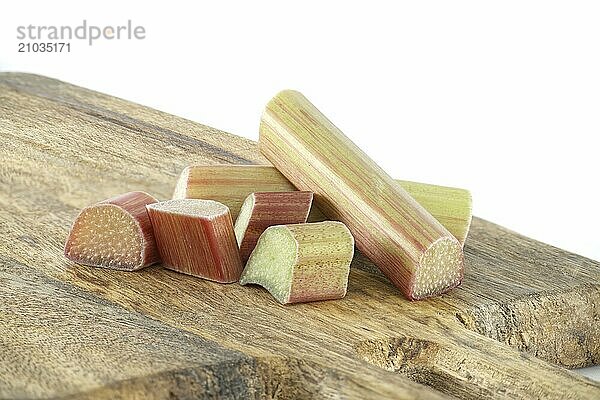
<point>406,242</point>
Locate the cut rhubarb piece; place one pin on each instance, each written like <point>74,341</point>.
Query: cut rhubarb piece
<point>264,209</point>
<point>303,262</point>
<point>196,237</point>
<point>115,233</point>
<point>229,184</point>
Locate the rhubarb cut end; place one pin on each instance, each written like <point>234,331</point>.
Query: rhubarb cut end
<point>272,262</point>
<point>106,236</point>
<point>206,209</point>
<point>440,269</point>
<point>469,217</point>
<point>243,218</point>
<point>181,188</point>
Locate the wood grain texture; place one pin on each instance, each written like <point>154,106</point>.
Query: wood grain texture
<point>69,331</point>
<point>413,249</point>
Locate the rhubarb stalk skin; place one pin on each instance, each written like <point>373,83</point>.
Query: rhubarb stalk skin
<point>196,237</point>
<point>229,184</point>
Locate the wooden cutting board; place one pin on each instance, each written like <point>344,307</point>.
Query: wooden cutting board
<point>525,311</point>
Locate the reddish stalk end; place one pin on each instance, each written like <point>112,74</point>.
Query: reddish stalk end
<point>115,233</point>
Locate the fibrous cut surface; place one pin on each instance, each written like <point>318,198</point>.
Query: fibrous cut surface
<point>199,208</point>
<point>440,269</point>
<point>105,235</point>
<point>272,262</point>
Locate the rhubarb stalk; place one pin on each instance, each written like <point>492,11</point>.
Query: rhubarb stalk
<point>406,242</point>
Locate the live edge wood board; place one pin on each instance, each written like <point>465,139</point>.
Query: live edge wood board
<point>525,312</point>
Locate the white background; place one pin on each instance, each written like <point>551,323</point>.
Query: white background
<point>502,98</point>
